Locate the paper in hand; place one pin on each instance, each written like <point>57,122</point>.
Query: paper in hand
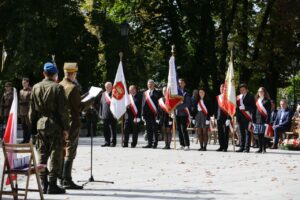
<point>93,92</point>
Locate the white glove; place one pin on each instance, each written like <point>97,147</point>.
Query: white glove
<point>137,120</point>
<point>207,122</point>
<point>143,119</point>
<point>157,121</point>
<point>170,123</point>
<point>193,122</point>
<point>172,115</point>
<point>227,122</point>
<point>242,107</point>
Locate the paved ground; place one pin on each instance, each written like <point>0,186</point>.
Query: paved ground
<point>154,174</point>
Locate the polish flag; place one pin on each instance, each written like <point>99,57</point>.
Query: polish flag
<point>10,135</point>
<point>229,101</point>
<point>119,98</point>
<point>173,99</point>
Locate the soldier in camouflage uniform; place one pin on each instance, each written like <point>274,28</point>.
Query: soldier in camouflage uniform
<point>5,105</point>
<point>75,106</point>
<point>50,123</point>
<point>24,109</point>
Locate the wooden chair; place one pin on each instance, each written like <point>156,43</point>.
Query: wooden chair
<point>27,168</point>
<point>294,131</point>
<point>213,130</point>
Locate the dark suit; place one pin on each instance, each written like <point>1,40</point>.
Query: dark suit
<point>223,130</point>
<point>282,123</point>
<point>182,119</point>
<point>108,120</point>
<point>130,125</point>
<point>245,135</point>
<point>150,118</point>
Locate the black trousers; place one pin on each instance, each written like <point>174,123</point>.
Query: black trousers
<point>261,141</point>
<point>184,139</point>
<point>152,130</point>
<point>223,134</point>
<point>131,128</point>
<point>110,130</point>
<point>245,135</point>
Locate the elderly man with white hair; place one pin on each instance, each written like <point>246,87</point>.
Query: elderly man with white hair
<point>107,117</point>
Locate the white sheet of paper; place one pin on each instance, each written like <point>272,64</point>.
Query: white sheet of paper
<point>93,92</point>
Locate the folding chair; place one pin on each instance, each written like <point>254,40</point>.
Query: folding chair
<point>25,166</point>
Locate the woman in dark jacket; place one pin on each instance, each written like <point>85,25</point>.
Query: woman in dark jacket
<point>261,117</point>
<point>202,118</point>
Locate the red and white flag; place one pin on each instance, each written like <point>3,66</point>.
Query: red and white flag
<point>229,100</point>
<point>173,99</point>
<point>10,135</point>
<point>119,98</point>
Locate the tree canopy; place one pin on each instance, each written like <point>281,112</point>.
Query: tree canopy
<point>264,36</point>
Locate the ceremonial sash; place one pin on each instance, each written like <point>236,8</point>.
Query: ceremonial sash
<point>150,103</point>
<point>246,113</point>
<point>202,107</point>
<point>269,133</point>
<point>132,106</point>
<point>107,98</point>
<point>262,110</point>
<point>220,103</point>
<point>186,110</point>
<point>162,105</point>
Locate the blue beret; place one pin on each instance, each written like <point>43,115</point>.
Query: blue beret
<point>50,68</point>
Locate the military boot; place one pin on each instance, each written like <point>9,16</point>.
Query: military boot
<point>53,188</point>
<point>67,178</point>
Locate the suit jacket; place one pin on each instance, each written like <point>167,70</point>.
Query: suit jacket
<point>187,102</point>
<point>286,119</point>
<point>249,104</point>
<point>221,115</point>
<point>138,103</point>
<point>267,104</point>
<point>146,111</point>
<point>104,108</point>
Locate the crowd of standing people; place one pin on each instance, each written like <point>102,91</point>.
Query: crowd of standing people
<point>50,115</point>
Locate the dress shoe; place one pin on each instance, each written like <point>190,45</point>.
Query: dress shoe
<point>105,145</point>
<point>246,151</point>
<point>125,145</point>
<point>259,151</point>
<point>113,145</point>
<point>133,146</point>
<point>274,147</point>
<point>201,149</point>
<point>147,146</point>
<point>240,150</point>
<point>219,149</point>
<point>166,147</point>
<point>224,150</point>
<point>154,147</point>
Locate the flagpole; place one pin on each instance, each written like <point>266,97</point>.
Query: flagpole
<point>122,118</point>
<point>174,116</point>
<point>232,117</point>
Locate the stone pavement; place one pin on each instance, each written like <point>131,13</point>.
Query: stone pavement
<point>155,174</point>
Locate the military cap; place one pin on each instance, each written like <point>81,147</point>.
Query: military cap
<point>8,84</point>
<point>70,67</point>
<point>50,68</point>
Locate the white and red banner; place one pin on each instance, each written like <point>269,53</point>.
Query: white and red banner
<point>119,98</point>
<point>132,106</point>
<point>229,100</point>
<point>246,113</point>
<point>150,103</point>
<point>173,99</point>
<point>10,135</point>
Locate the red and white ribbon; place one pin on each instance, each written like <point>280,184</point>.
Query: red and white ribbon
<point>132,106</point>
<point>220,103</point>
<point>246,113</point>
<point>162,105</point>
<point>201,107</point>
<point>107,98</point>
<point>262,110</point>
<point>150,103</point>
